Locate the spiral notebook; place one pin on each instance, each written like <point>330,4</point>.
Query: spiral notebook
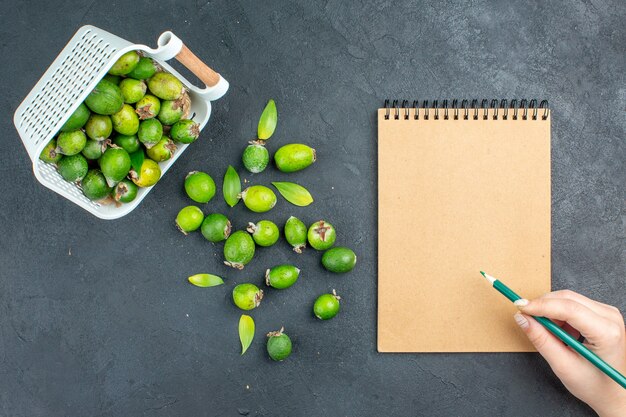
<point>462,187</point>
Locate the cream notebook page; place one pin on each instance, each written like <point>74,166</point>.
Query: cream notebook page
<point>456,197</point>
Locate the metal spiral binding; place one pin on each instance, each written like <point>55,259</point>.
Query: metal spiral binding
<point>500,110</point>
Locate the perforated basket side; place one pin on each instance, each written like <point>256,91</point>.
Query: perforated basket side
<point>58,93</point>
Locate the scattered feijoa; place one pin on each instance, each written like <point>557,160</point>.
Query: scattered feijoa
<point>258,198</point>
<point>77,119</point>
<point>125,64</point>
<point>265,233</point>
<point>94,185</point>
<point>165,86</point>
<point>215,227</point>
<point>282,276</point>
<point>247,296</point>
<point>199,186</point>
<point>278,345</point>
<point>255,158</point>
<point>189,219</point>
<point>295,233</point>
<point>124,191</point>
<point>71,143</point>
<point>238,249</point>
<point>185,131</point>
<point>339,259</point>
<point>73,168</point>
<point>326,306</point>
<point>294,157</point>
<point>321,235</point>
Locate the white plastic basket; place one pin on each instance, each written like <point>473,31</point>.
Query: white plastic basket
<point>69,80</point>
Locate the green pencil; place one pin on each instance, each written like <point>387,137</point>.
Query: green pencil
<point>565,337</point>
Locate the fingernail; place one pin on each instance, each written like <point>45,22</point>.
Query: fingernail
<point>522,302</point>
<point>521,320</point>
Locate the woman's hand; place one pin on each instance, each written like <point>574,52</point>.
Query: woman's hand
<point>601,325</point>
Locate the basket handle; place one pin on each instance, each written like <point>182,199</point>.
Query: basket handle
<point>171,46</point>
<point>205,73</point>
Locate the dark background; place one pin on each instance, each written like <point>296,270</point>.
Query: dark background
<point>96,317</point>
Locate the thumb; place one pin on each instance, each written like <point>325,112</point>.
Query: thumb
<point>558,356</point>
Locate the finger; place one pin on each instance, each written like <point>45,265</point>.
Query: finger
<point>591,325</point>
<point>558,355</point>
<point>602,309</point>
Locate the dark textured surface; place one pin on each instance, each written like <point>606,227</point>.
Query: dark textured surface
<point>96,317</point>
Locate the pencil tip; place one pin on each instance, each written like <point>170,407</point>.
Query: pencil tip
<point>483,274</point>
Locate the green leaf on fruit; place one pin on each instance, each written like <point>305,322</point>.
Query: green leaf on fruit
<point>267,121</point>
<point>232,186</point>
<point>246,332</point>
<point>136,160</point>
<point>294,193</point>
<point>205,280</point>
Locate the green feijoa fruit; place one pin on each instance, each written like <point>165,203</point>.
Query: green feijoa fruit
<point>71,143</point>
<point>105,99</point>
<point>326,306</point>
<point>278,345</point>
<point>115,79</point>
<point>126,120</point>
<point>165,86</point>
<point>49,154</point>
<point>94,149</point>
<point>258,198</point>
<point>163,150</point>
<point>238,249</point>
<point>130,143</point>
<point>77,119</point>
<point>125,64</point>
<point>294,157</point>
<point>132,90</point>
<point>150,132</point>
<point>171,112</point>
<point>98,127</point>
<point>216,227</point>
<point>281,276</point>
<point>199,186</point>
<point>321,235</point>
<point>144,69</point>
<point>267,121</point>
<point>295,233</point>
<point>255,158</point>
<point>189,219</point>
<point>339,259</point>
<point>124,191</point>
<point>265,233</point>
<point>148,107</point>
<point>247,296</point>
<point>115,165</point>
<point>148,175</point>
<point>73,168</point>
<point>185,131</point>
<point>94,185</point>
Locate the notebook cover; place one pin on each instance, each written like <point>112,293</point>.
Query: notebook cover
<point>456,197</point>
